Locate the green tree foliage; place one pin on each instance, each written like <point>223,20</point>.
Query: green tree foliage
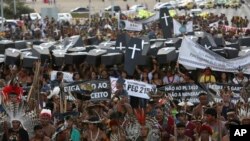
<point>21,8</point>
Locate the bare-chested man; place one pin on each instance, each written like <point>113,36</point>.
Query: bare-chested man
<point>45,118</point>
<point>94,133</point>
<point>198,111</point>
<point>39,134</point>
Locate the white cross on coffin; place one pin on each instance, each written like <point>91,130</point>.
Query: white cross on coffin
<point>143,43</point>
<point>133,51</point>
<point>207,47</point>
<point>169,42</point>
<point>165,17</point>
<point>121,47</point>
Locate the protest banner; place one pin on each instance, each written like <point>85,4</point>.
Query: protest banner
<point>192,54</point>
<point>192,90</point>
<point>216,88</point>
<point>182,91</point>
<point>134,88</point>
<point>98,89</point>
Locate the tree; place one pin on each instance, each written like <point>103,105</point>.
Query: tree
<point>21,8</point>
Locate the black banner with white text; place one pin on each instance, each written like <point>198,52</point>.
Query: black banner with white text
<point>98,89</point>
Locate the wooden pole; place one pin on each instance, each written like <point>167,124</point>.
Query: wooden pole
<point>34,87</point>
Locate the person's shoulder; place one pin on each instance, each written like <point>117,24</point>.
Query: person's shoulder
<point>46,138</point>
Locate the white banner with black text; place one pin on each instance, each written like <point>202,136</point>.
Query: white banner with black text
<point>192,54</point>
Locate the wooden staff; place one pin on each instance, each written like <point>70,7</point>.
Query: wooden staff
<point>61,102</point>
<point>35,87</point>
<point>65,105</point>
<point>219,123</point>
<point>175,132</point>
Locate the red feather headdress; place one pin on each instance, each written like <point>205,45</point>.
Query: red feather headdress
<point>9,89</point>
<point>141,116</point>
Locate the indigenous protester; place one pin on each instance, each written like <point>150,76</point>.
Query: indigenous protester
<point>207,76</point>
<point>16,133</point>
<point>45,119</point>
<point>94,132</point>
<point>116,132</point>
<point>218,127</point>
<point>205,134</point>
<point>180,133</point>
<point>198,111</point>
<point>72,133</point>
<point>39,134</point>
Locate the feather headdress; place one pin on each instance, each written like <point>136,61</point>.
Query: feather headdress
<point>141,116</point>
<point>133,125</point>
<point>15,90</point>
<point>17,111</point>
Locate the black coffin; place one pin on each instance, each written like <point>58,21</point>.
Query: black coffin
<point>94,56</point>
<point>75,58</point>
<point>110,59</point>
<point>29,61</point>
<point>173,42</point>
<point>12,56</point>
<point>166,55</point>
<point>42,53</point>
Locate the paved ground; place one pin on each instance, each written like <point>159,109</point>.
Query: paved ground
<point>67,5</point>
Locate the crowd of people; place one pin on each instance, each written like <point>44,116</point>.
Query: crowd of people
<point>124,117</point>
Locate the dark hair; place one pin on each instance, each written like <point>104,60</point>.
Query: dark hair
<point>180,125</point>
<point>46,76</point>
<point>212,112</point>
<point>202,94</point>
<point>59,73</point>
<point>37,127</point>
<point>74,75</point>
